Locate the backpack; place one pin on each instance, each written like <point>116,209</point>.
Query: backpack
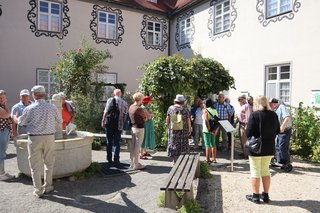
<point>213,122</point>
<point>113,116</point>
<point>71,107</point>
<point>176,122</point>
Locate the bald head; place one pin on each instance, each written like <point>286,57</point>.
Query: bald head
<point>117,92</point>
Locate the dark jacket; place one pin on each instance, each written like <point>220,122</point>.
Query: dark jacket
<point>270,127</point>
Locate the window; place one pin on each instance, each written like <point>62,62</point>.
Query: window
<point>185,31</point>
<point>276,7</point>
<point>49,16</point>
<point>154,34</point>
<point>46,79</point>
<point>153,1</point>
<point>278,81</point>
<point>221,17</point>
<point>107,78</point>
<point>107,25</point>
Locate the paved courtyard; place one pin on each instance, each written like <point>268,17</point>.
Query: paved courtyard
<point>297,191</point>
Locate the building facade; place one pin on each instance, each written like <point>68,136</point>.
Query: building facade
<point>270,47</point>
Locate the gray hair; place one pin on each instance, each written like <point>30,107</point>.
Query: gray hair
<point>2,92</point>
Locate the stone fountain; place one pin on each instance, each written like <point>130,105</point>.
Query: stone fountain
<point>73,152</point>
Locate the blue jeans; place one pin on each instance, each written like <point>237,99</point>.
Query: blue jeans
<point>113,140</point>
<point>282,147</point>
<point>4,140</point>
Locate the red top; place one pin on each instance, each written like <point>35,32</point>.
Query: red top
<point>66,116</point>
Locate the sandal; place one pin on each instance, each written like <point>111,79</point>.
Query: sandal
<point>146,154</point>
<point>143,157</point>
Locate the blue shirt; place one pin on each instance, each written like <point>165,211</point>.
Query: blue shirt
<point>282,113</point>
<point>40,118</point>
<point>19,107</point>
<point>224,110</point>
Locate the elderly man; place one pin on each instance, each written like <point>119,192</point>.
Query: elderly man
<point>283,139</point>
<point>17,110</point>
<point>68,110</point>
<point>224,113</point>
<point>113,118</point>
<point>40,119</point>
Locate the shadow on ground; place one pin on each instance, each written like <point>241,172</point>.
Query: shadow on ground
<point>309,205</point>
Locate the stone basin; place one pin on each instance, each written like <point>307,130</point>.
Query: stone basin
<point>73,154</point>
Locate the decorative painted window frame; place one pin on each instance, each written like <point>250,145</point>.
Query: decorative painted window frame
<point>94,25</point>
<point>177,37</point>
<point>233,17</point>
<point>164,33</point>
<point>0,9</point>
<point>33,19</point>
<point>261,8</point>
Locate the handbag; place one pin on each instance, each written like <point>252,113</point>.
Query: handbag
<point>254,144</point>
<point>213,122</point>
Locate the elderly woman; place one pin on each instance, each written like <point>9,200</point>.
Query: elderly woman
<point>138,117</point>
<point>178,135</point>
<point>5,129</point>
<point>259,163</point>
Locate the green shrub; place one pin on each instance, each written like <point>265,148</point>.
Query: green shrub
<point>96,144</point>
<point>93,169</point>
<point>305,140</point>
<point>190,206</point>
<point>204,170</point>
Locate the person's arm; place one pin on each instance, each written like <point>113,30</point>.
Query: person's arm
<point>250,126</point>
<point>103,121</point>
<point>206,118</point>
<point>284,124</point>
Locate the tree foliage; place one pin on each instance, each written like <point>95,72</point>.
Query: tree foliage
<point>170,75</point>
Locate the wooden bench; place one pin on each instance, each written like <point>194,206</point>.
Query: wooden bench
<point>126,138</point>
<point>180,179</point>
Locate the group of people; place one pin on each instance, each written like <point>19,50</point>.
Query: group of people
<point>38,120</point>
<point>140,116</point>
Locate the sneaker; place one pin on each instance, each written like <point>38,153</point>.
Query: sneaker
<point>5,177</point>
<point>265,197</point>
<point>139,166</point>
<point>254,199</point>
<point>48,189</point>
<point>38,194</point>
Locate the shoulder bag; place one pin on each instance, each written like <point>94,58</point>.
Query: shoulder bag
<point>254,144</point>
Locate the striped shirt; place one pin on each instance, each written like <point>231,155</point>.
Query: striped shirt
<point>123,108</point>
<point>40,118</point>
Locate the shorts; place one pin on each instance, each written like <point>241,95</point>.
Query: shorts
<point>259,166</point>
<point>209,140</point>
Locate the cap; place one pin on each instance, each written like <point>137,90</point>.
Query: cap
<point>180,98</point>
<point>146,99</point>
<point>38,89</point>
<point>273,100</point>
<point>24,92</point>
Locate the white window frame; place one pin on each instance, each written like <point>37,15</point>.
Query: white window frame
<point>279,12</point>
<point>50,15</point>
<point>185,30</point>
<point>107,25</point>
<point>49,84</point>
<point>154,32</point>
<point>107,78</point>
<point>153,1</point>
<point>222,16</point>
<point>278,81</point>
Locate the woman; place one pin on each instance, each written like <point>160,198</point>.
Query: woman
<point>259,163</point>
<point>5,129</point>
<point>209,136</point>
<point>178,138</point>
<point>149,141</point>
<point>138,117</point>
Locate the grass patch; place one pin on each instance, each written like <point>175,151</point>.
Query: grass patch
<point>204,170</point>
<point>160,201</point>
<point>93,169</point>
<point>190,206</point>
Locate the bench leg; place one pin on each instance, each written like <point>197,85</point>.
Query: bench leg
<point>187,196</point>
<point>171,199</point>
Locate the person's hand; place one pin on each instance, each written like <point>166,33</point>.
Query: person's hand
<point>282,129</point>
<point>103,125</point>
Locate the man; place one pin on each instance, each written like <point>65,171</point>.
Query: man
<point>197,124</point>
<point>227,100</point>
<point>114,133</point>
<point>17,110</point>
<point>243,118</point>
<point>68,110</point>
<point>283,139</point>
<point>224,113</point>
<point>40,119</point>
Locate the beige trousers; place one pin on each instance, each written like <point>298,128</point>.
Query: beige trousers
<point>41,149</point>
<point>137,139</point>
<point>243,140</point>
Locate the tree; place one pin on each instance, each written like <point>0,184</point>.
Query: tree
<point>170,75</point>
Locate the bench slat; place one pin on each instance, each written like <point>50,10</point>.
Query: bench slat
<point>172,172</point>
<point>178,174</point>
<point>192,173</point>
<point>184,176</point>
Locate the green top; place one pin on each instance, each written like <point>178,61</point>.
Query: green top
<point>213,112</point>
